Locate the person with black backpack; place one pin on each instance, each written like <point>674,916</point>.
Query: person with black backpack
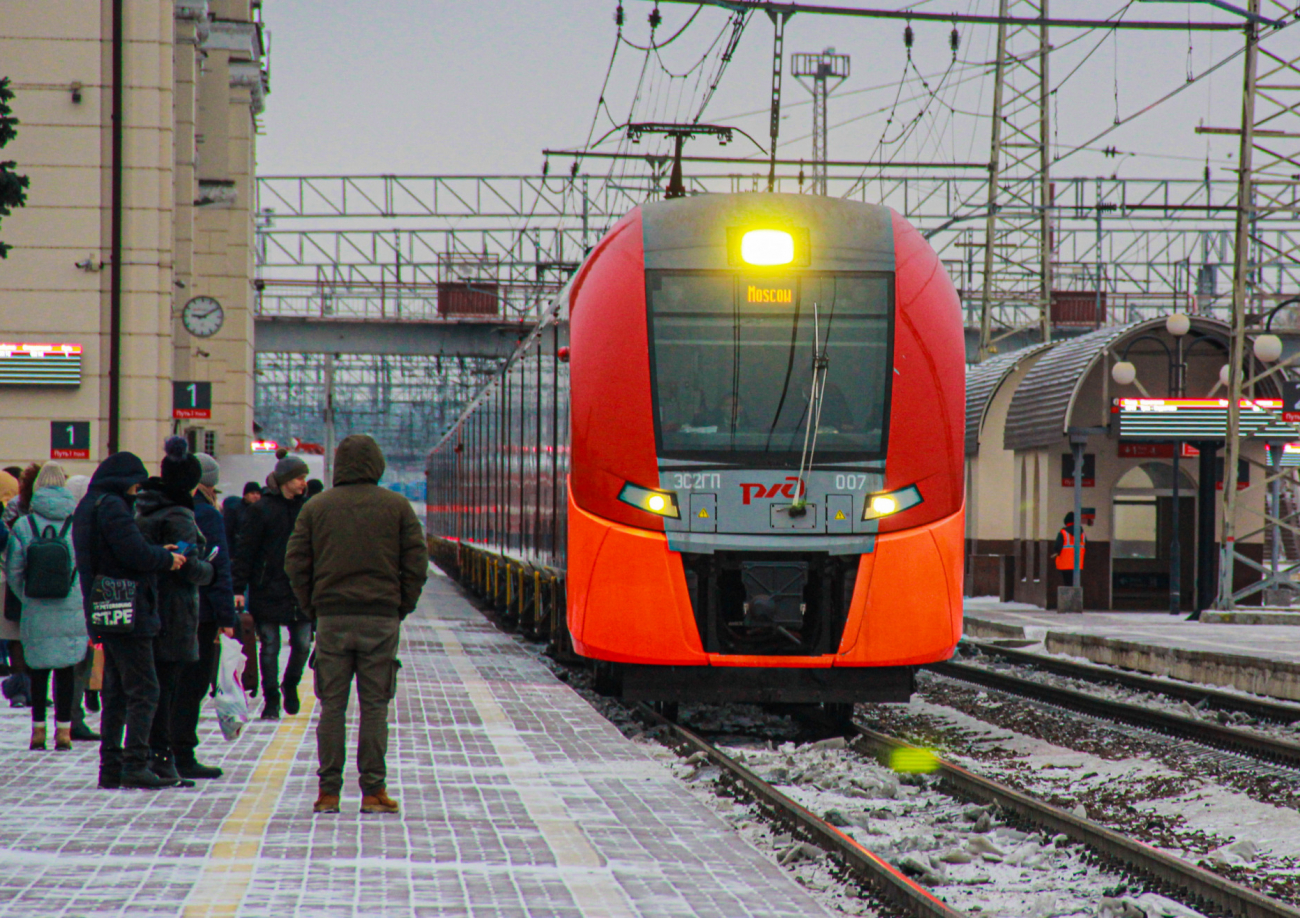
<point>41,570</point>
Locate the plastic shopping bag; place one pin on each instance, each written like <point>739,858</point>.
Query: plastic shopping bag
<point>232,703</point>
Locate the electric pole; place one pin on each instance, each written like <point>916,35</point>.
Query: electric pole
<point>821,69</point>
<point>1017,289</point>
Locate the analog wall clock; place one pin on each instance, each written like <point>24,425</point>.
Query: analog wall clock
<point>203,316</point>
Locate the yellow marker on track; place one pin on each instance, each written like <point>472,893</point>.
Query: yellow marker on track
<point>911,760</point>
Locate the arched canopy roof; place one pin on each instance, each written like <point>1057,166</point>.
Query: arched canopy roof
<point>1041,406</point>
<point>982,383</point>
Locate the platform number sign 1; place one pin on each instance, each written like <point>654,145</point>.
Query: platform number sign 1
<point>191,399</point>
<point>69,439</point>
<point>1290,402</point>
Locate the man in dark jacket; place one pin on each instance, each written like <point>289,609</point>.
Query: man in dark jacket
<point>216,613</point>
<point>234,510</point>
<point>259,569</point>
<point>109,543</point>
<point>358,562</point>
<point>165,511</point>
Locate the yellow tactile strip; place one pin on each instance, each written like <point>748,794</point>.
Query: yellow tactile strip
<point>229,869</point>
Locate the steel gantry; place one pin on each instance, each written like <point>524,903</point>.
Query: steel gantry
<point>1266,256</point>
<point>1017,240</point>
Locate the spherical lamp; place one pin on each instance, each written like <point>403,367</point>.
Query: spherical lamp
<point>1268,348</point>
<point>1124,373</point>
<point>1178,324</point>
<point>1224,371</point>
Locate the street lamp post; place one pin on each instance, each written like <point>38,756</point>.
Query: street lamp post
<point>1124,373</point>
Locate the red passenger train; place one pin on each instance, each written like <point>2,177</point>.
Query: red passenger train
<point>734,447</point>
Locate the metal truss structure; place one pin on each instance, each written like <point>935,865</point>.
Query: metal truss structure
<point>377,248</point>
<point>1017,276</point>
<point>1266,262</point>
<point>404,402</point>
<point>330,247</point>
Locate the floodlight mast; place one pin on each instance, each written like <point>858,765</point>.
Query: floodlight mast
<point>821,69</point>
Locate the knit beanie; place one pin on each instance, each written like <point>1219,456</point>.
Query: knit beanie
<point>181,471</point>
<point>288,468</point>
<point>211,470</point>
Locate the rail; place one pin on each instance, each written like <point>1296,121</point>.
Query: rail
<point>882,876</point>
<point>1278,711</point>
<point>1165,869</point>
<point>1210,734</point>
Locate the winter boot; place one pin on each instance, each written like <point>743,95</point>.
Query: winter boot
<point>109,778</point>
<point>378,802</point>
<point>326,803</point>
<point>290,698</point>
<point>92,700</point>
<point>142,777</point>
<point>38,737</point>
<point>63,736</point>
<point>163,766</point>
<point>190,767</point>
<point>271,710</point>
<point>83,734</point>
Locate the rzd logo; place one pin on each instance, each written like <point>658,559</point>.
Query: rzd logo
<point>786,488</point>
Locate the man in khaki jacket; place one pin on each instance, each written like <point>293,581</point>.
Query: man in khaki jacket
<point>357,561</point>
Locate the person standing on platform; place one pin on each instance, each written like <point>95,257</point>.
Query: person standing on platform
<point>358,561</point>
<point>1063,549</point>
<point>233,512</point>
<point>41,569</point>
<point>259,570</point>
<point>109,543</point>
<point>83,696</point>
<point>165,511</point>
<point>216,614</point>
<point>9,629</point>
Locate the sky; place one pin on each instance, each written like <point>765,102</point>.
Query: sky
<point>437,87</point>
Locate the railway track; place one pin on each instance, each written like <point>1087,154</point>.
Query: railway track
<point>1176,877</point>
<point>1206,733</point>
<point>1262,708</point>
<point>887,881</point>
<point>1182,879</point>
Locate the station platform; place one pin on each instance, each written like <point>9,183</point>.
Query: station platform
<point>1260,658</point>
<point>518,799</point>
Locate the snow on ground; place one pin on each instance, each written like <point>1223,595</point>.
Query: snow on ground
<point>1112,778</point>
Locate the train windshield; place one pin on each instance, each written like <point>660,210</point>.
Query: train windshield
<point>735,358</point>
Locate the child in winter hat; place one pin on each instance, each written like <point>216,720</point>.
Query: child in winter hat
<point>181,471</point>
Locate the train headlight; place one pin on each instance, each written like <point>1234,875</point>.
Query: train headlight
<point>660,503</point>
<point>887,503</point>
<point>767,247</point>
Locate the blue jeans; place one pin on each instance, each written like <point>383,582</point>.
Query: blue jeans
<point>268,639</point>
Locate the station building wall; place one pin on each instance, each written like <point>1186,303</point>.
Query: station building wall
<point>51,53</point>
<point>991,524</point>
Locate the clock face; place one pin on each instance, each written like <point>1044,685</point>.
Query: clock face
<point>203,316</point>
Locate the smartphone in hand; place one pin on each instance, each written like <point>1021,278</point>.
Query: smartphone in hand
<point>183,548</point>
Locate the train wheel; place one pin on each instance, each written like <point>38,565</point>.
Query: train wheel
<point>839,714</point>
<point>666,709</point>
<point>607,680</point>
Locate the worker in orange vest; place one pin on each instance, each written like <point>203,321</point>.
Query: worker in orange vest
<point>1063,549</point>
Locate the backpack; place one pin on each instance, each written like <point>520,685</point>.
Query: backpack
<point>50,568</point>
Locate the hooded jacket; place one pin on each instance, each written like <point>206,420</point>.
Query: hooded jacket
<point>216,599</point>
<point>259,559</point>
<point>109,542</point>
<point>358,549</point>
<point>165,519</point>
<point>53,630</point>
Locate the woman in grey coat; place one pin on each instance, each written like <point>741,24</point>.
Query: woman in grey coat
<point>53,630</point>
